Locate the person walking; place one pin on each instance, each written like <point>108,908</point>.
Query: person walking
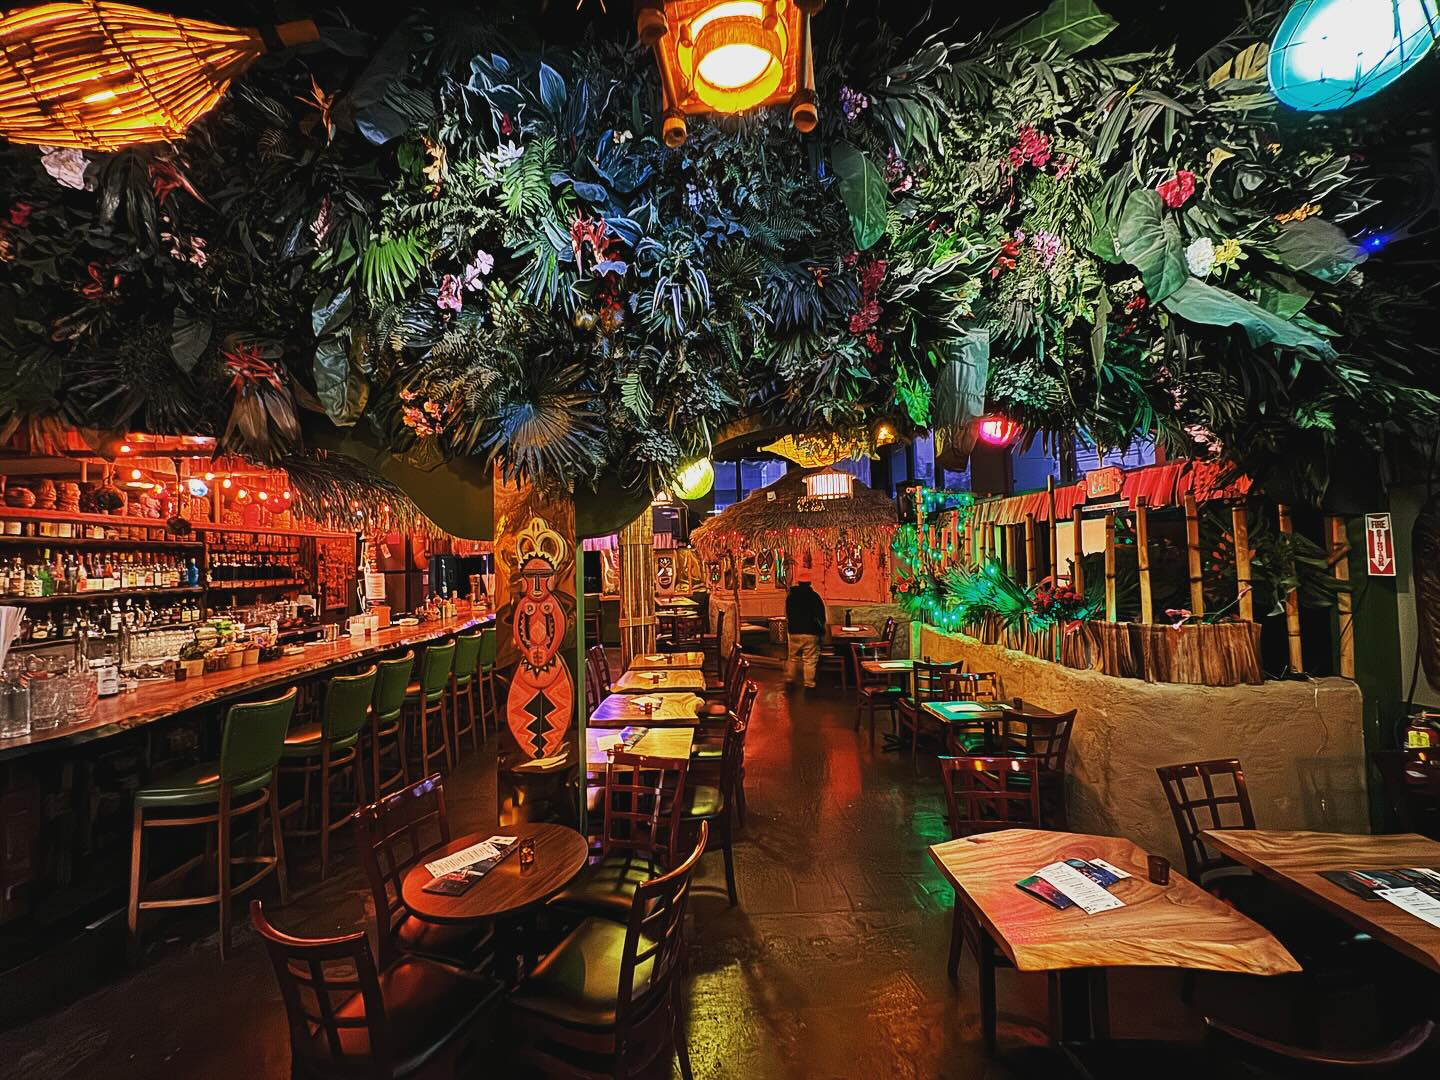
<point>805,617</point>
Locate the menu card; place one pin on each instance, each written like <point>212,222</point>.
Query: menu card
<point>486,851</point>
<point>1370,884</point>
<point>1075,883</point>
<point>1422,905</point>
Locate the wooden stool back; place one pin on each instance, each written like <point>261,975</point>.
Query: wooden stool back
<point>984,794</point>
<point>1043,739</point>
<point>655,931</point>
<point>643,800</point>
<point>1206,795</point>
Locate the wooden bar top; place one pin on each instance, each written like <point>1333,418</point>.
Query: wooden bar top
<point>162,698</point>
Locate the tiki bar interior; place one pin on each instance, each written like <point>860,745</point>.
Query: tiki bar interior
<point>719,538</point>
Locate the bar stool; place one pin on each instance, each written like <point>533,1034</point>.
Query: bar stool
<point>426,701</point>
<point>488,682</point>
<point>462,688</point>
<point>388,707</point>
<point>326,749</point>
<point>242,781</point>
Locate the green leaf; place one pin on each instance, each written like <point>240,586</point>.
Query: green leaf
<point>1149,240</point>
<point>634,396</point>
<point>331,310</point>
<point>959,395</point>
<point>1102,240</point>
<point>552,89</point>
<point>341,389</point>
<point>1097,332</point>
<point>863,189</point>
<point>1316,247</point>
<point>189,337</point>
<point>1073,25</point>
<point>1281,302</point>
<point>1201,303</point>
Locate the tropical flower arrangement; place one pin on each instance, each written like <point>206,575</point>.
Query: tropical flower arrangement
<point>447,247</point>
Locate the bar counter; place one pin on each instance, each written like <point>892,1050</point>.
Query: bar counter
<point>163,698</point>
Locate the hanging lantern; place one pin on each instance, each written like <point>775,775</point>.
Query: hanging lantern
<point>695,480</point>
<point>830,484</point>
<point>730,56</point>
<point>101,76</point>
<point>998,430</point>
<point>1328,54</point>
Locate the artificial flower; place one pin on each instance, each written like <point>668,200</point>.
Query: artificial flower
<point>852,103</point>
<point>1176,191</point>
<point>479,267</point>
<point>1300,213</point>
<point>1046,245</point>
<point>67,165</point>
<point>449,298</point>
<point>1200,257</point>
<point>1228,254</point>
<point>20,214</point>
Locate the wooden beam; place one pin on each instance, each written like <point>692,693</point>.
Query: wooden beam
<point>1142,554</point>
<point>1077,575</point>
<point>1032,552</point>
<point>1112,601</point>
<point>1192,548</point>
<point>1292,604</point>
<point>1240,531</point>
<point>1054,564</point>
<point>1344,602</point>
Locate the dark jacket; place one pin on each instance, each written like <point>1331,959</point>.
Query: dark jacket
<point>805,611</point>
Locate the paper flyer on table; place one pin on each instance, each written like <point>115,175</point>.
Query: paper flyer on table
<point>1420,904</point>
<point>1087,895</point>
<point>492,848</point>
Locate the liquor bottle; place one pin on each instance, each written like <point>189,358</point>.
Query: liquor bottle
<point>15,579</point>
<point>193,574</point>
<point>43,631</point>
<point>82,575</point>
<point>47,582</point>
<point>113,619</point>
<point>72,573</point>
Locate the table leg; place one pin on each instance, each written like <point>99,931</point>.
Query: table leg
<point>1079,1005</point>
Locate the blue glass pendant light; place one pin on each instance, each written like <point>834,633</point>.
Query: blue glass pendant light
<point>1329,54</point>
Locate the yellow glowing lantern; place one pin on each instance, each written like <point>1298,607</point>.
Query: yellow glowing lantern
<point>101,76</point>
<point>695,480</point>
<point>830,484</point>
<point>729,56</point>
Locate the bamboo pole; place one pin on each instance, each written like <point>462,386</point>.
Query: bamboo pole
<point>1344,605</point>
<point>1142,553</point>
<point>969,543</point>
<point>1112,601</point>
<point>1192,547</point>
<point>1077,575</point>
<point>1012,551</point>
<point>1054,567</point>
<point>1032,551</point>
<point>1292,603</point>
<point>1240,530</point>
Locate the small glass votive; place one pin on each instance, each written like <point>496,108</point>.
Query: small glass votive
<point>1159,869</point>
<point>527,851</point>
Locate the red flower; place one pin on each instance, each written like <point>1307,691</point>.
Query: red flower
<point>20,214</point>
<point>1176,191</point>
<point>868,315</point>
<point>1009,252</point>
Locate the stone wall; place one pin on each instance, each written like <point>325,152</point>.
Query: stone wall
<point>1301,743</point>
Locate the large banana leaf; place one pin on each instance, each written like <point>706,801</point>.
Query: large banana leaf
<point>1072,25</point>
<point>863,189</point>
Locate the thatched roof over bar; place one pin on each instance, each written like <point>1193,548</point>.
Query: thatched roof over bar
<point>781,517</point>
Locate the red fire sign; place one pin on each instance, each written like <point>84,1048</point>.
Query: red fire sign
<point>1380,545</point>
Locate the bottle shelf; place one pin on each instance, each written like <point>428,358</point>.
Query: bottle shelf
<point>90,544</point>
<point>282,583</point>
<point>107,594</point>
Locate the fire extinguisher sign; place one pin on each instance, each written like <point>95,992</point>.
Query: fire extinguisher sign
<point>1379,545</point>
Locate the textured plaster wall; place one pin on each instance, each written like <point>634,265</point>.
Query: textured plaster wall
<point>1300,743</point>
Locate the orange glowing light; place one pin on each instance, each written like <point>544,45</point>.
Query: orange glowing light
<point>209,476</point>
<point>243,494</point>
<point>264,495</point>
<point>134,474</point>
<point>124,448</point>
<point>225,483</point>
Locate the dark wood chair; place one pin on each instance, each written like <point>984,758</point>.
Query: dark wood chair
<point>1411,778</point>
<point>394,834</point>
<point>640,834</point>
<point>712,643</point>
<point>873,692</point>
<point>834,658</point>
<point>930,681</point>
<point>985,794</point>
<point>613,991</point>
<point>414,1018</point>
<point>1207,795</point>
<point>713,795</point>
<point>722,687</point>
<point>887,636</point>
<point>597,656</point>
<point>1276,1058</point>
<point>1045,739</point>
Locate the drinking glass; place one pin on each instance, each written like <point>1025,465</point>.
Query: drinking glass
<point>47,697</point>
<point>81,695</point>
<point>14,710</point>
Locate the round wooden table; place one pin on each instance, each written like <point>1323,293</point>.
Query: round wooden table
<point>560,852</point>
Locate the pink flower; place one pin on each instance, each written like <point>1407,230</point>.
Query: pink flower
<point>1033,146</point>
<point>20,214</point>
<point>1180,615</point>
<point>483,263</point>
<point>1176,191</point>
<point>449,298</point>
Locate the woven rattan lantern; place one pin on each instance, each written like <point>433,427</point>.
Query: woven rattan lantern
<point>101,76</point>
<point>730,56</point>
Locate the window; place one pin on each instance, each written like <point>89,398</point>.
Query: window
<point>734,480</point>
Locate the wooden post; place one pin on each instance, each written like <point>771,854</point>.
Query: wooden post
<point>1032,552</point>
<point>1344,602</point>
<point>637,588</point>
<point>1292,603</point>
<point>1142,556</point>
<point>1077,575</point>
<point>1192,548</point>
<point>1054,567</point>
<point>1012,551</point>
<point>969,543</point>
<point>1112,601</point>
<point>1240,531</point>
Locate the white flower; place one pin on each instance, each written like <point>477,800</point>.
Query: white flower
<point>507,152</point>
<point>1200,257</point>
<point>67,165</point>
<point>483,263</point>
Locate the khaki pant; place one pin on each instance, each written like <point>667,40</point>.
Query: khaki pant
<point>804,649</point>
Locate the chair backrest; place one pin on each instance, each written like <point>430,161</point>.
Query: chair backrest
<point>719,628</point>
<point>737,681</point>
<point>655,932</point>
<point>745,705</point>
<point>981,685</point>
<point>254,736</point>
<point>596,657</point>
<point>687,628</point>
<point>1043,739</point>
<point>435,668</point>
<point>932,679</point>
<point>732,751</point>
<point>392,678</point>
<point>643,802</point>
<point>467,654</point>
<point>592,687</point>
<point>488,644</point>
<point>1206,795</point>
<point>392,835</point>
<point>984,794</point>
<point>732,664</point>
<point>860,651</point>
<point>1411,777</point>
<point>317,977</point>
<point>888,635</point>
<point>347,704</point>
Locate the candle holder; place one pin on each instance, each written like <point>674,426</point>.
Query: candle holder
<point>1159,869</point>
<point>527,852</point>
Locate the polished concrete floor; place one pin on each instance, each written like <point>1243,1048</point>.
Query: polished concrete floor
<point>832,964</point>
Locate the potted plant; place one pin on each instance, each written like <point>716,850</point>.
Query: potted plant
<point>192,659</point>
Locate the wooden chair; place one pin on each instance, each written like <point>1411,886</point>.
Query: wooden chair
<point>980,686</point>
<point>592,688</point>
<point>324,752</point>
<point>488,683</point>
<point>835,657</point>
<point>427,702</point>
<point>712,643</point>
<point>594,633</point>
<point>415,1018</point>
<point>1281,1058</point>
<point>597,656</point>
<point>874,692</point>
<point>712,802</point>
<point>613,991</point>
<point>464,683</point>
<point>985,794</point>
<point>394,834</point>
<point>1044,739</point>
<point>640,835</point>
<point>213,795</point>
<point>887,636</point>
<point>388,729</point>
<point>1207,795</point>
<point>710,731</point>
<point>931,681</point>
<point>1411,778</point>
<point>722,685</point>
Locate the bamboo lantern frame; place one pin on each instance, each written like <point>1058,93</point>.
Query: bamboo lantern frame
<point>102,76</point>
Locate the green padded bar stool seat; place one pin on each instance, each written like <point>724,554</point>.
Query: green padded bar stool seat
<point>467,658</point>
<point>578,982</point>
<point>426,698</point>
<point>342,717</point>
<point>464,684</point>
<point>195,786</point>
<point>387,732</point>
<point>608,886</point>
<point>304,741</point>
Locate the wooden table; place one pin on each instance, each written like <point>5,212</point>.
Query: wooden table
<point>988,715</point>
<point>1293,860</point>
<point>888,667</point>
<point>1178,925</point>
<point>678,603</point>
<point>661,742</point>
<point>559,855</point>
<point>854,633</point>
<point>676,661</point>
<point>659,682</point>
<point>618,710</point>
